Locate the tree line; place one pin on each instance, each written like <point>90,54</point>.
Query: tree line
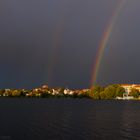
<point>96,92</point>
<point>111,92</point>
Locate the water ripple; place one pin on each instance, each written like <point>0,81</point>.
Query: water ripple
<point>68,119</point>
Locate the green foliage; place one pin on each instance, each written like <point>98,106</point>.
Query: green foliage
<point>120,91</point>
<point>96,89</point>
<point>96,96</point>
<point>110,92</point>
<point>2,92</point>
<point>135,93</point>
<point>15,93</point>
<point>103,95</point>
<point>95,92</point>
<point>45,95</point>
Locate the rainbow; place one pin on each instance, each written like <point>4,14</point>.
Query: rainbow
<point>57,38</point>
<point>105,39</point>
<point>56,44</point>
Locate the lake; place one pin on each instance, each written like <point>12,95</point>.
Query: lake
<point>69,119</point>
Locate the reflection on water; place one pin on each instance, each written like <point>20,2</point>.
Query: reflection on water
<point>130,122</point>
<point>66,119</point>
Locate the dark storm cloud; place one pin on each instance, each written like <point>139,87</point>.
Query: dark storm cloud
<point>55,42</point>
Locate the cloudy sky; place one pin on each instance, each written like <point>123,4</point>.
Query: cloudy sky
<point>55,42</point>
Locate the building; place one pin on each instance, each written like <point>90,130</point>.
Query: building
<point>129,87</point>
<point>55,92</point>
<point>68,92</point>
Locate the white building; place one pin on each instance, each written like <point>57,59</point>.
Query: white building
<point>68,92</point>
<point>55,92</point>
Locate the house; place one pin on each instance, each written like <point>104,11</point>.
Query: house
<point>137,87</point>
<point>45,87</point>
<point>55,92</point>
<point>129,87</point>
<point>68,92</point>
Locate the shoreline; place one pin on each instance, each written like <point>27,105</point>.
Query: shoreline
<point>45,98</point>
<point>110,92</point>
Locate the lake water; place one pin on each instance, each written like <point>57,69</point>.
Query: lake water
<point>69,119</point>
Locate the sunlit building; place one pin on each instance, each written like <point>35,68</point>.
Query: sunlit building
<point>129,87</point>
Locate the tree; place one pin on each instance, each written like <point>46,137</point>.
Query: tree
<point>96,89</point>
<point>110,92</point>
<point>15,92</point>
<point>2,92</point>
<point>23,92</point>
<point>95,92</point>
<point>135,93</point>
<point>120,91</point>
<point>103,95</point>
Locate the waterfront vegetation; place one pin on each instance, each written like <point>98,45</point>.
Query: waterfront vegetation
<point>95,92</point>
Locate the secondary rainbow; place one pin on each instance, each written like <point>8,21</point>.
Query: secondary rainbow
<point>105,39</point>
<point>56,44</point>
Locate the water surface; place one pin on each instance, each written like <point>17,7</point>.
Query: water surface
<point>69,119</point>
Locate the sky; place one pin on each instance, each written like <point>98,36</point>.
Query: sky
<point>55,42</point>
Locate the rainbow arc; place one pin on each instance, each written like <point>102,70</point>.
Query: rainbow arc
<point>104,40</point>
